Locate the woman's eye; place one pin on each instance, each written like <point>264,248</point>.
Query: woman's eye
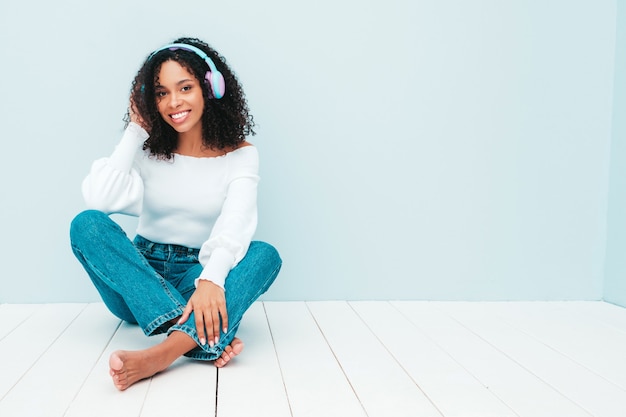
<point>160,94</point>
<point>186,88</point>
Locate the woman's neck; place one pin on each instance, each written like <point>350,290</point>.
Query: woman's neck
<point>193,146</point>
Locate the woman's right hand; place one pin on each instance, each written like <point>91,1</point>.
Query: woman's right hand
<point>134,115</point>
<point>208,303</point>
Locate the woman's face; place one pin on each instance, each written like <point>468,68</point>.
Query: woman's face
<point>179,98</point>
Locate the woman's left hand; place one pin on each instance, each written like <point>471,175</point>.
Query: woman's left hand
<point>207,303</point>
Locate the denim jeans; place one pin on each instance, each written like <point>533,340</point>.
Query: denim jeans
<point>150,283</point>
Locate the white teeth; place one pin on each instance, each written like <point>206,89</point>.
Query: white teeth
<point>179,115</point>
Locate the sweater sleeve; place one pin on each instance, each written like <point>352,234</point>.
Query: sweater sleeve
<point>231,236</point>
<point>113,185</point>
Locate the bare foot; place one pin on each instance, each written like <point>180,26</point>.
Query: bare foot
<point>232,350</point>
<point>128,367</point>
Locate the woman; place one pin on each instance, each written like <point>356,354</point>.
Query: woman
<point>185,168</point>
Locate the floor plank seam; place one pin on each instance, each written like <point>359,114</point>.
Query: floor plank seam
<point>36,361</point>
<point>145,396</point>
<point>282,375</point>
<point>343,371</point>
<point>482,383</point>
<point>524,367</point>
<point>18,325</point>
<point>95,363</point>
<point>217,390</point>
<point>408,374</point>
<point>558,352</point>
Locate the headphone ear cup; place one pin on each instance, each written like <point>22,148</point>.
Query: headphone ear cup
<point>216,81</point>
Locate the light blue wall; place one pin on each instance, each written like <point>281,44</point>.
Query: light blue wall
<point>421,149</point>
<point>615,287</point>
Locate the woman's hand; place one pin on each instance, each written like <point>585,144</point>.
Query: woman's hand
<point>134,114</point>
<point>208,304</point>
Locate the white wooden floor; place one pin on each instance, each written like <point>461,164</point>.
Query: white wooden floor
<point>344,359</point>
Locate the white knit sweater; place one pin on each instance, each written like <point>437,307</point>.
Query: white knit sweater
<point>204,203</point>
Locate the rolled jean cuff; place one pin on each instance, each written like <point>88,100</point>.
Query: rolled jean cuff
<point>206,352</point>
<point>200,352</point>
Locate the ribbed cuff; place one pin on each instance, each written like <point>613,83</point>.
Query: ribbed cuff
<point>217,268</point>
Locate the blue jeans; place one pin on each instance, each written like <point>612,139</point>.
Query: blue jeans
<point>150,283</point>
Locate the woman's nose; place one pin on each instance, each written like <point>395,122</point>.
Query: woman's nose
<point>174,100</point>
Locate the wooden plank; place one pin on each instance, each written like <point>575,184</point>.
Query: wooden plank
<point>98,396</point>
<point>22,347</point>
<point>606,313</point>
<point>12,315</point>
<point>314,381</point>
<point>251,384</point>
<point>383,387</point>
<point>493,368</point>
<point>191,380</point>
<point>454,391</point>
<point>580,338</point>
<point>49,386</point>
<point>582,386</point>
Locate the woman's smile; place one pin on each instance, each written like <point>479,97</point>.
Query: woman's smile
<point>180,117</point>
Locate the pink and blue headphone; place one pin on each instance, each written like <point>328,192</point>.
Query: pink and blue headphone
<point>213,77</point>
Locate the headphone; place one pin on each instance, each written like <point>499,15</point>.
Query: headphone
<point>213,77</point>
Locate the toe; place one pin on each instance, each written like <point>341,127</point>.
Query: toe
<point>115,362</point>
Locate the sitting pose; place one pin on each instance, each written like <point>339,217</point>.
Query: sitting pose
<point>184,167</point>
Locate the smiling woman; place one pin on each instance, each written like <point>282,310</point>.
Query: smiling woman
<point>180,101</point>
<point>179,76</point>
<point>184,168</point>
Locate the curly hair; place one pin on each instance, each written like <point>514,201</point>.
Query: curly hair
<point>225,122</point>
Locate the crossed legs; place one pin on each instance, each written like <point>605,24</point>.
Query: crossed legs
<point>128,367</point>
<point>123,276</point>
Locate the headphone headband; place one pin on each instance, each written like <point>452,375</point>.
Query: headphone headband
<point>213,76</point>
